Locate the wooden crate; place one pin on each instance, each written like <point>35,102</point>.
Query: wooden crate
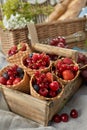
<point>38,110</point>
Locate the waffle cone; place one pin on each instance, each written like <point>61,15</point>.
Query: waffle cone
<point>16,58</point>
<point>37,95</point>
<point>22,86</point>
<point>32,71</point>
<point>68,81</point>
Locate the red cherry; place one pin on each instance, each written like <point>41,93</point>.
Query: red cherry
<point>64,117</point>
<point>10,72</point>
<point>17,80</point>
<point>54,85</point>
<point>75,68</point>
<point>74,113</point>
<point>12,77</point>
<point>67,61</point>
<point>59,63</point>
<point>62,39</point>
<point>23,48</point>
<point>14,48</point>
<point>60,44</point>
<point>52,93</point>
<point>3,80</point>
<point>54,42</point>
<point>9,82</point>
<point>43,92</point>
<point>56,118</point>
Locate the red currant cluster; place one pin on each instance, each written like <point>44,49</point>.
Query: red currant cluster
<point>64,117</point>
<point>59,42</point>
<point>12,75</point>
<point>46,85</point>
<point>66,68</point>
<point>37,61</point>
<point>16,48</point>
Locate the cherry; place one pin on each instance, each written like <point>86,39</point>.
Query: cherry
<point>23,48</point>
<point>56,118</point>
<point>74,113</point>
<point>9,82</point>
<point>37,61</point>
<point>67,60</point>
<point>3,80</point>
<point>64,117</point>
<point>52,93</point>
<point>43,92</point>
<point>17,80</point>
<point>54,85</point>
<point>60,44</point>
<point>62,39</point>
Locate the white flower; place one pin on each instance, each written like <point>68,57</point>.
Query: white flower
<point>15,22</point>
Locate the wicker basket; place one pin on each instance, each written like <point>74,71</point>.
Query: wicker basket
<point>22,86</point>
<point>37,95</point>
<point>16,58</point>
<point>13,37</point>
<point>69,29</point>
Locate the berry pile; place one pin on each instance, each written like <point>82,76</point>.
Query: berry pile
<point>66,68</point>
<point>59,42</point>
<point>82,59</point>
<point>64,117</point>
<point>37,61</point>
<point>12,75</point>
<point>46,85</point>
<point>20,47</point>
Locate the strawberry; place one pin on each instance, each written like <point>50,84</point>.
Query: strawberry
<point>49,76</point>
<point>68,75</point>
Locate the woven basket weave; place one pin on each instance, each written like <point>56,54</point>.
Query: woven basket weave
<point>13,37</point>
<point>45,31</point>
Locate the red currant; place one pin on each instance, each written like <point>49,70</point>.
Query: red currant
<point>54,85</point>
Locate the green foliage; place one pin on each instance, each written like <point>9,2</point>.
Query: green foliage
<point>10,7</point>
<point>25,9</point>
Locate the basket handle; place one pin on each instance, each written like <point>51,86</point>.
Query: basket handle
<point>56,50</point>
<point>32,33</point>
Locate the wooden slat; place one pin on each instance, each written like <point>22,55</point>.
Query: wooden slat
<point>56,50</point>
